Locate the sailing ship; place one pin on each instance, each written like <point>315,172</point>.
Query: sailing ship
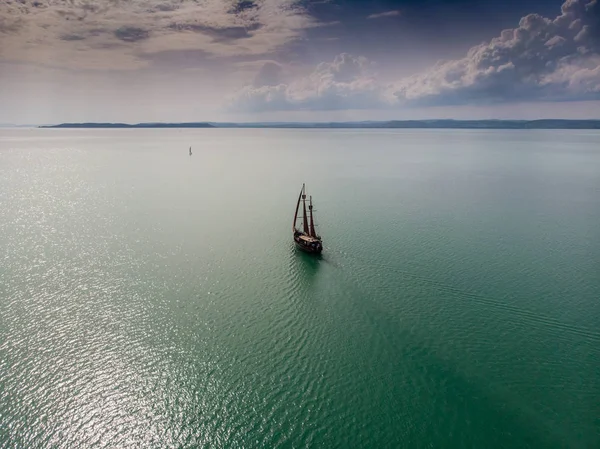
<point>306,238</point>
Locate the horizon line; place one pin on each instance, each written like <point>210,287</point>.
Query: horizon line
<point>212,124</point>
<point>545,123</point>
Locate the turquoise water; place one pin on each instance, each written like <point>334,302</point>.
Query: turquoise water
<point>153,299</point>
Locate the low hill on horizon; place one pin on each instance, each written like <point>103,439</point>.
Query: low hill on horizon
<point>398,124</point>
<point>126,125</point>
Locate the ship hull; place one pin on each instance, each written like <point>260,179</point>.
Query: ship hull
<point>309,249</point>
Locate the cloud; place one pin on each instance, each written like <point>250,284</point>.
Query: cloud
<point>384,14</point>
<point>131,34</point>
<point>82,33</point>
<point>345,83</point>
<point>270,74</point>
<point>72,37</point>
<point>224,34</point>
<point>540,60</point>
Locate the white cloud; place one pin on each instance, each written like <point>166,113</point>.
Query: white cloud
<point>384,14</point>
<point>113,34</point>
<point>541,59</point>
<point>270,74</point>
<point>345,83</point>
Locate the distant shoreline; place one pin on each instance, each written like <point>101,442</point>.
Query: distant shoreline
<point>390,124</point>
<point>126,125</point>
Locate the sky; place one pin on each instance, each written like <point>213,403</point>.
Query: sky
<point>297,60</point>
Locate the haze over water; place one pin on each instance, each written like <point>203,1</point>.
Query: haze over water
<point>153,299</point>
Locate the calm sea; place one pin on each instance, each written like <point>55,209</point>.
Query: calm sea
<point>152,299</point>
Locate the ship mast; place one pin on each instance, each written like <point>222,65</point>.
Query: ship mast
<point>312,223</point>
<point>304,219</point>
<point>297,207</point>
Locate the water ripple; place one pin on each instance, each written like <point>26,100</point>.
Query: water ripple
<point>145,309</point>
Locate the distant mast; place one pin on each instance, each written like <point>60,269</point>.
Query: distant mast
<point>312,223</point>
<point>190,151</point>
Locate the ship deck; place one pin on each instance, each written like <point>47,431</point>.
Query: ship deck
<point>308,239</point>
